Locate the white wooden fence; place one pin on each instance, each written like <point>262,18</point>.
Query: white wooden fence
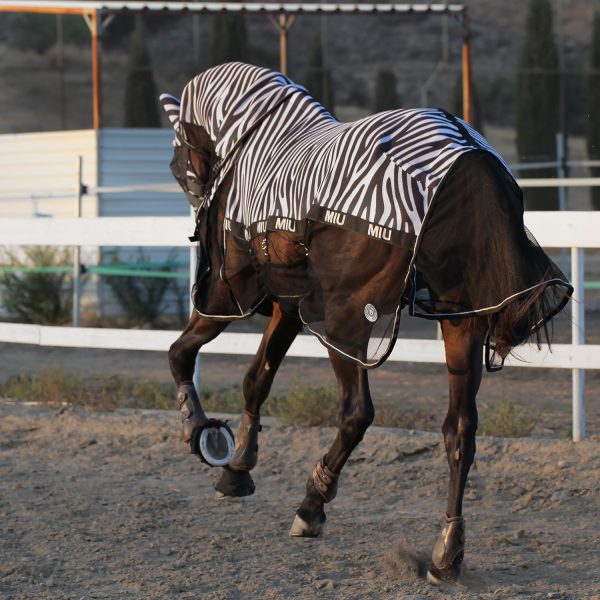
<point>574,230</point>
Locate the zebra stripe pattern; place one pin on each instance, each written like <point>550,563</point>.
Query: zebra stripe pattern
<point>378,175</point>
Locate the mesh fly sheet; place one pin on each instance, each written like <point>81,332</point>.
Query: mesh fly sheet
<point>421,182</point>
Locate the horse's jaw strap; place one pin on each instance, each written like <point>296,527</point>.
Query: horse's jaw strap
<point>448,552</point>
<point>324,481</point>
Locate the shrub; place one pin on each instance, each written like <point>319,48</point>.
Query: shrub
<point>55,386</point>
<point>140,298</point>
<point>505,419</point>
<point>37,297</point>
<point>306,405</point>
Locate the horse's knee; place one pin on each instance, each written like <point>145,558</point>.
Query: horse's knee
<point>354,426</point>
<point>459,435</point>
<point>175,352</point>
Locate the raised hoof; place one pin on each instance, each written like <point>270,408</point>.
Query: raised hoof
<point>300,528</point>
<point>234,484</point>
<point>437,576</point>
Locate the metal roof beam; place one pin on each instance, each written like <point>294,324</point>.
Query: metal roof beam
<point>80,7</point>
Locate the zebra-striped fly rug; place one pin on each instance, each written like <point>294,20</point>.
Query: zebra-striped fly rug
<point>376,176</point>
<point>421,181</point>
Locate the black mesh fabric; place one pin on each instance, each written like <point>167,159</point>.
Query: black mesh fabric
<point>474,254</point>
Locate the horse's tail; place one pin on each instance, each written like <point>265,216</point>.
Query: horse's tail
<point>528,318</point>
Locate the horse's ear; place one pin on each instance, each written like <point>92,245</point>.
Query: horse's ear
<point>197,136</point>
<point>171,106</point>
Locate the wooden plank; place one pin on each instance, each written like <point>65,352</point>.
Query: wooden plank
<point>103,231</point>
<point>553,229</point>
<point>563,356</point>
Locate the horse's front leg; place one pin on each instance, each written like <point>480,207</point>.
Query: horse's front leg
<point>463,341</point>
<point>356,413</point>
<point>182,360</point>
<point>280,332</point>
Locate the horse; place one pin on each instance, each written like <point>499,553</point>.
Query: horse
<point>337,227</point>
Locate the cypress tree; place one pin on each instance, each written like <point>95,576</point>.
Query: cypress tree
<point>593,108</point>
<point>386,97</point>
<point>228,38</point>
<point>141,100</point>
<point>538,101</point>
<point>317,78</point>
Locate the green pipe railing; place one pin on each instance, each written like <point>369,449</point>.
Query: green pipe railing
<point>124,270</point>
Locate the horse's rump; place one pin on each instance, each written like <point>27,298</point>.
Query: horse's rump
<point>475,256</point>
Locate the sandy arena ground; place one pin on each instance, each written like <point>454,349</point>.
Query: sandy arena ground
<point>110,505</point>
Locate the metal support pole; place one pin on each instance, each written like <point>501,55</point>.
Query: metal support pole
<point>283,43</point>
<point>96,81</point>
<point>561,172</point>
<point>77,252</point>
<point>577,338</point>
<point>466,70</point>
<point>193,263</point>
<point>283,25</point>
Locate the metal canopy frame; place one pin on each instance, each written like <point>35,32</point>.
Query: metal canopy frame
<point>282,15</point>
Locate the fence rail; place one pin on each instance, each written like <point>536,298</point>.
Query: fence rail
<point>575,230</point>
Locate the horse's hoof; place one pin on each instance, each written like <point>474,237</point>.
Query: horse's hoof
<point>234,484</point>
<point>300,528</point>
<point>437,576</point>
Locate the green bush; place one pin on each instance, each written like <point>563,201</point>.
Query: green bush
<point>37,297</point>
<point>306,406</point>
<point>140,298</point>
<point>505,419</point>
<point>55,386</point>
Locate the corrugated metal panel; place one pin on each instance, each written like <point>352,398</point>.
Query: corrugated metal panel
<point>129,157</point>
<point>38,173</point>
<point>138,156</point>
<point>38,176</point>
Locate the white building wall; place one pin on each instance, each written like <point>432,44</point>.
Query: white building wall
<point>38,173</point>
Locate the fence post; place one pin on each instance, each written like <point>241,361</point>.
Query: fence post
<point>77,252</point>
<point>578,338</point>
<point>193,263</point>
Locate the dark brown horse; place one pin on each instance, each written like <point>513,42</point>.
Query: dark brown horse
<point>280,262</point>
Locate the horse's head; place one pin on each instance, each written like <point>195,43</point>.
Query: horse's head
<point>193,153</point>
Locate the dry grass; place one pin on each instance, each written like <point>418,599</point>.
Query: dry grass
<point>55,387</point>
<point>505,419</point>
<point>304,405</point>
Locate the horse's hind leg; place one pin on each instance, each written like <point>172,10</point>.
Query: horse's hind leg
<point>463,341</point>
<point>356,413</point>
<point>279,334</point>
<point>182,359</point>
